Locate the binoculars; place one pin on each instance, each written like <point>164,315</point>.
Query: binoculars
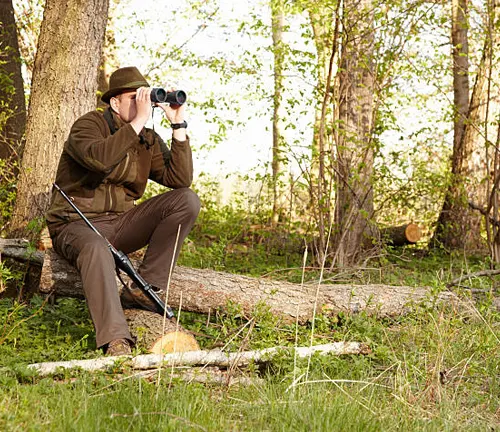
<point>159,95</point>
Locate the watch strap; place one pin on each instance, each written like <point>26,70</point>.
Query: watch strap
<point>182,125</point>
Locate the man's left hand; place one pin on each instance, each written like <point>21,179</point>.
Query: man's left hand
<point>175,114</point>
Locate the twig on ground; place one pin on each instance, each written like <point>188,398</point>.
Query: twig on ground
<point>473,275</point>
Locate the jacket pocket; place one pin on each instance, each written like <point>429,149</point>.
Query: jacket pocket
<point>84,204</point>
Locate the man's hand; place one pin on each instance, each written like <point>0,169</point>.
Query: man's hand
<point>143,108</point>
<point>175,114</point>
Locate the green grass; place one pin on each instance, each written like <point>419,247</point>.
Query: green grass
<point>433,370</point>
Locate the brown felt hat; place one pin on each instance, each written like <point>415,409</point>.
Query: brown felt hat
<point>122,80</point>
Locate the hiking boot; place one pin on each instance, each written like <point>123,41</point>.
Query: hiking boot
<point>119,347</point>
<point>134,298</point>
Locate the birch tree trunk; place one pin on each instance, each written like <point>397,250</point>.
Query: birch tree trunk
<point>278,17</point>
<point>63,88</point>
<point>354,151</point>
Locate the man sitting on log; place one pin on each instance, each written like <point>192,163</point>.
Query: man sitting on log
<point>104,168</point>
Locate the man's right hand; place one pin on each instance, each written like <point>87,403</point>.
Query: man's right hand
<point>143,108</point>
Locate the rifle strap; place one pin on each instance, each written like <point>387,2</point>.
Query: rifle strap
<point>109,119</point>
<point>120,277</point>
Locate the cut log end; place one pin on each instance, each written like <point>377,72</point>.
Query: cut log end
<point>413,233</point>
<point>402,235</point>
<point>178,341</point>
<point>157,335</point>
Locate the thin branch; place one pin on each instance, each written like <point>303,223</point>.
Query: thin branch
<point>481,273</point>
<point>483,211</point>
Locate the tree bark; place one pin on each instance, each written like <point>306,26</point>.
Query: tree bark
<point>13,117</point>
<point>63,88</point>
<point>459,227</point>
<point>207,290</point>
<point>354,150</point>
<point>203,358</point>
<point>109,61</point>
<point>325,25</point>
<point>460,57</point>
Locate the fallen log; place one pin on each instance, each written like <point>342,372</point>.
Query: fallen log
<point>205,290</point>
<point>216,358</point>
<point>401,235</point>
<point>19,255</point>
<point>19,249</point>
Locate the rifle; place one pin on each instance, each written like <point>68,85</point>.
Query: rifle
<point>123,263</point>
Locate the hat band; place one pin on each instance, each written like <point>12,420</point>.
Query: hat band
<point>136,84</point>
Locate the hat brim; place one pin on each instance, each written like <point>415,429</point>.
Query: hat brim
<point>106,97</point>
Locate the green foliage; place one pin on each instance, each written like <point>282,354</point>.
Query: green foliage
<point>39,331</point>
<point>8,167</point>
<point>236,236</point>
<point>429,370</point>
<point>7,191</point>
<point>7,275</point>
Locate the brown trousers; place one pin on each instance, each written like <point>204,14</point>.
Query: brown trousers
<point>154,223</point>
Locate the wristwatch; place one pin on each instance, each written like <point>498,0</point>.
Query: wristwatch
<point>182,125</point>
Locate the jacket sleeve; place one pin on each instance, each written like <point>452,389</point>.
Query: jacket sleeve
<point>172,167</point>
<point>91,145</point>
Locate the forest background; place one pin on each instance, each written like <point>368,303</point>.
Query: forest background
<point>315,126</point>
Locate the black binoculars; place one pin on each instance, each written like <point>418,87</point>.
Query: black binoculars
<point>159,95</point>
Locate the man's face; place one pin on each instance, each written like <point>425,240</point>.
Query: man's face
<point>124,106</point>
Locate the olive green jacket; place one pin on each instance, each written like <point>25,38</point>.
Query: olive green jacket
<point>105,172</point>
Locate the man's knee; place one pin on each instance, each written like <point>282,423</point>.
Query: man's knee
<point>192,202</point>
<point>186,201</point>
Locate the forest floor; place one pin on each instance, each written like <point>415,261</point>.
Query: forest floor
<point>432,369</point>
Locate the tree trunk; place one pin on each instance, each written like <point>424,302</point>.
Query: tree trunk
<point>460,57</point>
<point>278,115</point>
<point>29,16</point>
<point>13,118</point>
<point>459,227</point>
<point>207,290</point>
<point>354,152</point>
<point>491,197</point>
<point>63,88</point>
<point>321,178</point>
<point>109,62</point>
